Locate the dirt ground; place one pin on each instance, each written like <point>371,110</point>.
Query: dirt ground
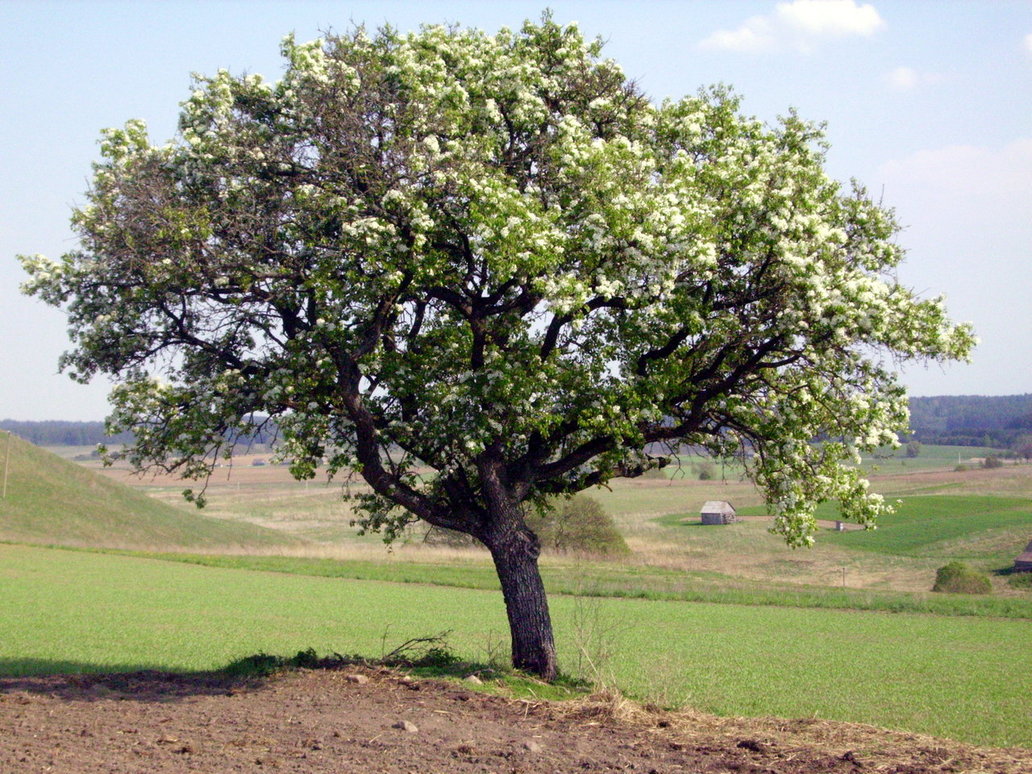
<point>365,720</point>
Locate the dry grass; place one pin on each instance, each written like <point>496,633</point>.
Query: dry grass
<point>314,511</point>
<point>1008,481</point>
<point>868,747</point>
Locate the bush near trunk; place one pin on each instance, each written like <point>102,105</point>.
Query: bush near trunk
<point>579,524</point>
<point>959,578</point>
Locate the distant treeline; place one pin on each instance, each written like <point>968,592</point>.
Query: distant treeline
<point>971,420</point>
<point>59,433</point>
<point>951,420</point>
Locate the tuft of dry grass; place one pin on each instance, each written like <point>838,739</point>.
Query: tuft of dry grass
<point>870,747</point>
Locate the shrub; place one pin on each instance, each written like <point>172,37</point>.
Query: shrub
<point>707,471</point>
<point>992,461</point>
<point>655,473</point>
<point>440,536</point>
<point>959,578</point>
<point>578,524</point>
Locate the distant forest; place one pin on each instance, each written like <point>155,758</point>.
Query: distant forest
<point>57,433</point>
<point>971,420</point>
<point>951,420</point>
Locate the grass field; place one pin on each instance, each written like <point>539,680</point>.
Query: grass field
<point>52,500</point>
<point>644,509</point>
<point>725,619</point>
<point>592,578</point>
<point>949,676</point>
<point>982,529</point>
<point>947,527</point>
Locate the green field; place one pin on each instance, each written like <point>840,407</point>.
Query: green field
<point>979,528</point>
<point>943,675</point>
<point>723,619</point>
<point>947,527</point>
<point>587,578</point>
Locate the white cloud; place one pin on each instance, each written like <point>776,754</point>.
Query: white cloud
<point>970,174</point>
<point>1028,42</point>
<point>799,24</point>
<point>754,35</point>
<point>908,79</point>
<point>831,18</point>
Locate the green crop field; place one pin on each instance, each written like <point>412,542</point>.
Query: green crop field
<point>941,526</point>
<point>587,578</point>
<point>938,525</point>
<point>944,675</point>
<point>724,619</point>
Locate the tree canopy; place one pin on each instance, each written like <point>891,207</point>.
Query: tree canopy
<point>493,257</point>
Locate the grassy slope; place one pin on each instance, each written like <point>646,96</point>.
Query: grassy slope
<point>53,501</point>
<point>79,611</point>
<point>673,556</point>
<point>942,525</point>
<point>988,531</point>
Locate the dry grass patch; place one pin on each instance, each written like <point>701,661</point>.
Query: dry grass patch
<point>866,747</point>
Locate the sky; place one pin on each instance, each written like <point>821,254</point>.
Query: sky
<point>928,104</point>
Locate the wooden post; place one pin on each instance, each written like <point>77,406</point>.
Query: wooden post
<point>7,462</point>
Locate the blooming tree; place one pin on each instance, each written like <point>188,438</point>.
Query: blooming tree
<point>493,258</point>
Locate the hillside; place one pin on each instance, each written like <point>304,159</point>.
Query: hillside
<point>52,501</point>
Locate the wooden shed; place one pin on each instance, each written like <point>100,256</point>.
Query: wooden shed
<point>1024,562</point>
<point>718,512</point>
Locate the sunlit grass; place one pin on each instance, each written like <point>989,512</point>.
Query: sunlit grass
<point>585,578</point>
<point>950,676</point>
<point>51,500</point>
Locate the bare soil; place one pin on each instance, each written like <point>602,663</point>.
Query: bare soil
<point>353,720</point>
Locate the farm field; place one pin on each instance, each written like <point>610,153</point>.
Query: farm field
<point>847,630</point>
<point>659,520</point>
<point>950,676</point>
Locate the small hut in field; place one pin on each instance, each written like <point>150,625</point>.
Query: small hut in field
<point>718,512</point>
<point>1024,562</point>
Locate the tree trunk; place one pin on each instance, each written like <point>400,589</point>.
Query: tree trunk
<point>515,555</point>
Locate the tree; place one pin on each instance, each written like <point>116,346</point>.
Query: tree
<point>495,257</point>
<point>960,578</point>
<point>1023,447</point>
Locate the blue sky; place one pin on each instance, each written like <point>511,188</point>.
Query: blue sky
<point>929,104</point>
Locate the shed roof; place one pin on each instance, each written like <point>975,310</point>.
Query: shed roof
<point>717,506</point>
